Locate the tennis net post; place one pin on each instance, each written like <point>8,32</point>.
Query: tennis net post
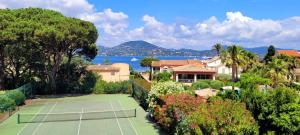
<point>18,118</point>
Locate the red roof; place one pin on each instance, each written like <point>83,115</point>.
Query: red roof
<point>173,63</point>
<point>294,53</point>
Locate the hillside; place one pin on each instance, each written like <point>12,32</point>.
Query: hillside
<point>142,48</point>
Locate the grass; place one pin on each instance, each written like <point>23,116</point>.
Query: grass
<point>126,126</point>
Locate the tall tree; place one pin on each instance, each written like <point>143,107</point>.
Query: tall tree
<point>270,54</point>
<point>218,47</point>
<point>234,57</point>
<point>146,62</point>
<point>7,37</point>
<point>276,70</point>
<point>291,65</point>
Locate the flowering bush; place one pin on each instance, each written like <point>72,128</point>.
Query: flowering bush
<point>173,108</point>
<point>222,117</point>
<point>161,89</point>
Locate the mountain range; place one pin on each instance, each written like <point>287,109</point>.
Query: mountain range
<point>143,48</point>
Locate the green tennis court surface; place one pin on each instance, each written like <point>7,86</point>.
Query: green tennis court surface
<point>83,115</point>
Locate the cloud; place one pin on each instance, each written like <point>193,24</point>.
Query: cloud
<point>236,28</point>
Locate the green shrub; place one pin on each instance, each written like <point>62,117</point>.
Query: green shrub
<point>6,103</point>
<point>200,84</point>
<point>99,87</point>
<point>223,77</point>
<point>17,96</point>
<point>161,89</point>
<point>216,84</point>
<point>162,77</point>
<point>222,117</point>
<point>88,82</point>
<point>103,87</point>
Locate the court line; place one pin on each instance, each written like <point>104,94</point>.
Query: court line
<point>44,105</point>
<point>78,131</point>
<point>116,118</point>
<point>128,118</point>
<point>36,129</point>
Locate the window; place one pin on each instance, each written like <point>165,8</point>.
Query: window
<point>112,73</point>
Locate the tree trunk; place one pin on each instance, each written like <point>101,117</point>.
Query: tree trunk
<point>1,67</point>
<point>233,72</point>
<point>57,60</point>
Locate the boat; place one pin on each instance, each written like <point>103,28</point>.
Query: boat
<point>134,59</point>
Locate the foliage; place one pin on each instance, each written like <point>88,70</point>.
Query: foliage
<point>173,108</point>
<point>270,54</point>
<point>103,87</point>
<point>216,84</point>
<point>163,76</point>
<point>6,103</point>
<point>140,92</point>
<point>40,40</point>
<point>143,83</point>
<point>276,70</point>
<point>233,57</point>
<point>251,81</point>
<point>146,62</point>
<point>88,82</point>
<point>222,117</point>
<point>223,77</point>
<point>17,96</point>
<point>160,89</point>
<point>280,111</point>
<point>229,94</point>
<point>218,47</point>
<point>200,84</point>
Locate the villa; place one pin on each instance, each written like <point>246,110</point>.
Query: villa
<point>111,73</point>
<point>295,54</point>
<point>216,63</point>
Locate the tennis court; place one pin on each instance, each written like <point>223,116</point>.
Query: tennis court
<point>83,115</point>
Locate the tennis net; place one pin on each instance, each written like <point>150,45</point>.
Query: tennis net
<point>76,116</point>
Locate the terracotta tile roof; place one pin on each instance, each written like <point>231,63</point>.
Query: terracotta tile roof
<point>195,67</point>
<point>103,68</point>
<point>289,52</point>
<point>173,63</point>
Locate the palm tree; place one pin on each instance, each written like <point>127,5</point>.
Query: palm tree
<point>234,56</point>
<point>251,59</point>
<point>292,64</point>
<point>218,47</point>
<point>276,70</point>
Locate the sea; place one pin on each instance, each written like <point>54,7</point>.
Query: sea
<point>134,61</point>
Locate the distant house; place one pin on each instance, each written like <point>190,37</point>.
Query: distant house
<point>111,73</point>
<point>193,72</point>
<point>167,65</point>
<point>185,71</point>
<point>216,63</point>
<point>295,54</point>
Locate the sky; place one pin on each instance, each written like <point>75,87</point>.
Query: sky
<point>194,24</point>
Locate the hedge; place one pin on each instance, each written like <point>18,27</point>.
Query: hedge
<point>6,103</point>
<point>103,87</point>
<point>200,85</point>
<point>17,96</point>
<point>216,84</point>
